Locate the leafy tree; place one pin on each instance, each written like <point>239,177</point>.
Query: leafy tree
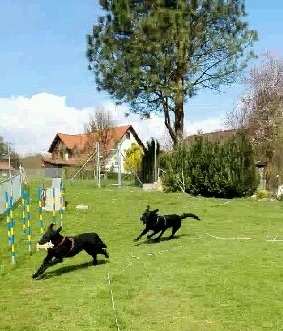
<point>261,108</point>
<point>155,55</point>
<point>133,158</point>
<point>3,147</point>
<point>260,111</point>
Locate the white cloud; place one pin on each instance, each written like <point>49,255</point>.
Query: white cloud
<point>30,124</point>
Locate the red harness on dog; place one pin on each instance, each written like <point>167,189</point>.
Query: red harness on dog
<point>63,240</point>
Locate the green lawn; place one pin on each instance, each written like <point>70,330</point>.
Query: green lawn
<point>194,282</point>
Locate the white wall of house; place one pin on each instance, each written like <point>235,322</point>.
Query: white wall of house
<point>125,142</point>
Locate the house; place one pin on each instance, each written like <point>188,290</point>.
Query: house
<point>4,169</point>
<point>75,150</point>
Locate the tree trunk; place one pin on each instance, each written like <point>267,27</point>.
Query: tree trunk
<point>179,114</point>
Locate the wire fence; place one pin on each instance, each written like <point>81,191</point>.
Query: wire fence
<point>13,186</point>
<point>53,172</point>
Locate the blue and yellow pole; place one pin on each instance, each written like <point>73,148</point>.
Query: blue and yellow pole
<point>40,210</point>
<point>28,222</point>
<point>61,204</point>
<point>53,202</point>
<point>12,232</point>
<point>7,211</point>
<point>23,209</point>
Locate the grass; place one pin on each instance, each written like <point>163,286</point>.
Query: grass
<point>194,282</point>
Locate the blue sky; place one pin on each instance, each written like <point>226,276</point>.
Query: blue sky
<point>43,48</point>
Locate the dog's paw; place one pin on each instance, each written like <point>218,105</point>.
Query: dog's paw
<point>34,276</point>
<point>137,239</point>
<point>107,255</point>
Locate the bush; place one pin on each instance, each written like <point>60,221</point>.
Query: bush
<point>212,169</point>
<point>263,194</point>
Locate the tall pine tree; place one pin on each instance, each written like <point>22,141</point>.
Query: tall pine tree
<point>155,55</point>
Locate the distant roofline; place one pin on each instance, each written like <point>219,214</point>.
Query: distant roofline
<point>61,135</point>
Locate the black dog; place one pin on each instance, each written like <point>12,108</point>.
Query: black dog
<point>157,223</point>
<point>65,247</point>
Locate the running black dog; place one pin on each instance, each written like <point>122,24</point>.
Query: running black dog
<point>157,223</point>
<point>65,247</point>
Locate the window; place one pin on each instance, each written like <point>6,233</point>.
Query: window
<point>128,135</point>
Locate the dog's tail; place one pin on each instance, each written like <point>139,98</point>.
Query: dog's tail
<point>185,215</point>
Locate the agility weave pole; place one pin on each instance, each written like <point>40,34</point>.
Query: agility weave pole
<point>12,229</point>
<point>23,200</point>
<point>10,221</point>
<point>39,192</point>
<point>10,225</point>
<point>113,303</point>
<point>7,212</point>
<point>61,204</point>
<point>54,206</point>
<point>26,216</point>
<point>28,222</point>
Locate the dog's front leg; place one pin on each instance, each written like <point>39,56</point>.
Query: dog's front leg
<point>46,265</point>
<point>47,262</point>
<point>152,234</point>
<point>43,266</point>
<point>142,234</point>
<point>158,238</point>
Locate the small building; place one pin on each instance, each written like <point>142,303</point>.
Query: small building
<point>75,150</point>
<point>4,169</point>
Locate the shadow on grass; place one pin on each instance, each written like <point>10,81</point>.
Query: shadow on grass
<point>156,241</point>
<point>71,268</point>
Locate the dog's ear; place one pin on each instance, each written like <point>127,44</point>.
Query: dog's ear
<point>147,208</point>
<point>51,226</point>
<point>59,229</point>
<point>155,211</point>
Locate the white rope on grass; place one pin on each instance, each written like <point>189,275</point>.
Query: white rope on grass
<point>150,254</point>
<point>126,267</point>
<point>113,303</point>
<point>274,239</point>
<point>244,238</point>
<point>221,204</point>
<point>227,238</point>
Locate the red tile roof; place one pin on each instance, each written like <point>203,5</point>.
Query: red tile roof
<point>79,140</point>
<point>72,141</point>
